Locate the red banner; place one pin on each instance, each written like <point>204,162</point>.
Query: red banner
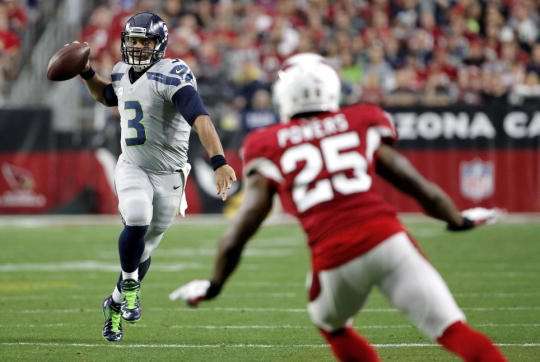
<point>488,157</point>
<point>55,182</point>
<point>507,179</point>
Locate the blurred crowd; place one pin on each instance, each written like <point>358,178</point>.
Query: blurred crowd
<point>388,52</point>
<point>15,16</point>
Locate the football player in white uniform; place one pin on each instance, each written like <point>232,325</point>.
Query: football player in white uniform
<point>159,105</point>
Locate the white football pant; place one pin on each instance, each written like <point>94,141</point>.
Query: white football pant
<point>403,275</point>
<point>148,199</point>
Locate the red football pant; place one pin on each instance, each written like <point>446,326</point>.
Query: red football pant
<point>470,345</point>
<point>349,346</point>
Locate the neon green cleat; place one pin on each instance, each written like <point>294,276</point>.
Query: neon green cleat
<point>131,305</point>
<point>112,331</point>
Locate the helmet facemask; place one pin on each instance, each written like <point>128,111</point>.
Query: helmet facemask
<point>140,57</point>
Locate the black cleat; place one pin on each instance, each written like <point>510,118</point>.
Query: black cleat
<point>131,303</point>
<point>112,331</point>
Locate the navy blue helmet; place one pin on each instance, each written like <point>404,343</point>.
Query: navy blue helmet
<point>145,26</point>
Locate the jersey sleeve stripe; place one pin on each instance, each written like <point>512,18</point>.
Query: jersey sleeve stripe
<point>385,131</point>
<point>162,78</point>
<point>390,120</point>
<point>388,135</point>
<point>117,76</point>
<point>266,168</point>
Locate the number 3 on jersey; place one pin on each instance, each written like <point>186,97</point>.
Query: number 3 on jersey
<point>329,155</point>
<point>135,123</point>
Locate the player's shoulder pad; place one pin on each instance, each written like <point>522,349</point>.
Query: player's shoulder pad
<point>173,68</point>
<point>119,70</point>
<point>380,120</point>
<point>371,111</point>
<point>365,108</point>
<point>259,138</point>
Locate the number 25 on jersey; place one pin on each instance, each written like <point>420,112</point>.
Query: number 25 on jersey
<point>336,162</point>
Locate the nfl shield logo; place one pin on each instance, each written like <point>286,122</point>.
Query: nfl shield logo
<point>477,179</point>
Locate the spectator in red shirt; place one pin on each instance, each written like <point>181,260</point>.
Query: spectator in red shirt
<point>467,87</point>
<point>476,54</point>
<point>96,32</point>
<point>441,64</point>
<point>10,46</point>
<point>289,10</point>
<point>427,22</point>
<point>16,14</point>
<point>381,25</point>
<point>491,41</point>
<point>179,47</point>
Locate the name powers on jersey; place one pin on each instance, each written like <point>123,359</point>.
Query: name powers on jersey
<point>313,129</point>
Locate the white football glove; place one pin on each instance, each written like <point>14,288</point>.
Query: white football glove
<point>476,217</point>
<point>195,291</point>
<point>481,216</point>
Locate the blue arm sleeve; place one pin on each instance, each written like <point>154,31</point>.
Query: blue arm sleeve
<point>189,104</point>
<point>110,97</point>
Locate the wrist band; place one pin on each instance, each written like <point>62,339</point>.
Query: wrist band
<point>217,161</point>
<point>467,224</point>
<point>213,290</point>
<point>89,74</point>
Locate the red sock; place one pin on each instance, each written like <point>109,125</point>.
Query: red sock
<point>470,345</point>
<point>349,346</point>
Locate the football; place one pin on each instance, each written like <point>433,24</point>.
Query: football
<point>68,62</point>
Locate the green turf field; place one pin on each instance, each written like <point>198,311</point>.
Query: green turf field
<point>53,279</point>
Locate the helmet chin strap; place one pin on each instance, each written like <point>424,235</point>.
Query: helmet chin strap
<point>140,68</point>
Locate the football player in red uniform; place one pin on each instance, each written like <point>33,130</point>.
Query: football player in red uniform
<point>322,161</point>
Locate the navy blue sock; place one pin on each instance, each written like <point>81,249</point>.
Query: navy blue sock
<point>131,247</point>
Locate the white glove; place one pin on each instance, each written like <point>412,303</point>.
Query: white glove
<point>476,217</point>
<point>193,292</point>
<point>481,216</point>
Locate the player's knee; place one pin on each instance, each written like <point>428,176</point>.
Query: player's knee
<point>162,220</point>
<point>328,321</point>
<point>137,211</point>
<point>160,228</point>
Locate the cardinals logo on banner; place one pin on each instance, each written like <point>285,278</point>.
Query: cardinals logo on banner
<point>22,184</point>
<point>477,179</point>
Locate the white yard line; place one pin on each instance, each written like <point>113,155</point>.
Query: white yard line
<point>108,345</point>
<point>494,295</point>
<point>480,276</point>
<point>279,310</point>
<point>34,221</point>
<point>278,295</point>
<point>489,325</point>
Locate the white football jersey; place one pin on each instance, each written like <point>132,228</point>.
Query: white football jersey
<point>155,136</point>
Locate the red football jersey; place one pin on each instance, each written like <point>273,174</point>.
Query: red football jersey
<point>324,171</point>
